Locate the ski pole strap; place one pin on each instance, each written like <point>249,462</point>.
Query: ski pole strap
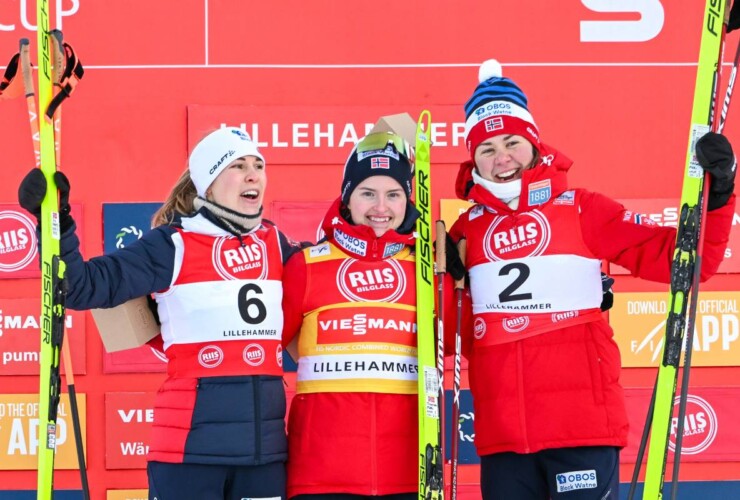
<point>9,87</point>
<point>72,74</point>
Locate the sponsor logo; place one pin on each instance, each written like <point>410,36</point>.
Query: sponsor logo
<point>644,220</point>
<point>699,426</point>
<point>539,192</point>
<point>63,8</point>
<point>465,427</point>
<point>494,124</point>
<point>638,218</point>
<point>235,261</point>
<point>567,198</point>
<point>515,238</point>
<point>241,135</point>
<point>130,233</point>
<point>254,354</point>
<point>279,355</point>
<point>515,325</point>
<point>375,282</point>
<point>533,133</point>
<point>392,249</point>
<point>717,333</point>
<point>475,212</point>
<point>645,21</point>
<point>210,356</point>
<point>136,415</point>
<point>389,151</point>
<point>10,321</point>
<point>562,316</point>
<point>479,328</point>
<point>547,159</point>
<point>221,160</point>
<point>350,243</point>
<point>576,480</point>
<point>17,241</point>
<point>494,107</point>
<point>319,251</point>
<point>361,324</point>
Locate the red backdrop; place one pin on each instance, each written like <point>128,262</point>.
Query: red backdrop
<point>612,90</point>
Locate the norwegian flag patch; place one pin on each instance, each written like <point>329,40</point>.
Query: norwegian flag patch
<point>638,218</point>
<point>494,124</point>
<point>380,163</point>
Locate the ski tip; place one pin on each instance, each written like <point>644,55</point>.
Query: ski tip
<point>489,69</point>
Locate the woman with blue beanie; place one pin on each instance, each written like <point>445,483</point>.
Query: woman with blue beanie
<point>544,369</point>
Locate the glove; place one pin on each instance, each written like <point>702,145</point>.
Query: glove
<point>455,266</point>
<point>734,22</point>
<point>714,153</point>
<point>607,300</point>
<point>33,189</point>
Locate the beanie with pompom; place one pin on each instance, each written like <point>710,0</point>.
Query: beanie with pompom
<point>498,106</point>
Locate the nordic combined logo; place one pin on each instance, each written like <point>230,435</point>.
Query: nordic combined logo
<point>127,235</point>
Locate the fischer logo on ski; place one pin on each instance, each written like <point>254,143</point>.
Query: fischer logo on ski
<point>429,384</point>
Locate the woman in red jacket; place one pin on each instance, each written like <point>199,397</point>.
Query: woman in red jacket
<point>550,414</point>
<point>351,302</point>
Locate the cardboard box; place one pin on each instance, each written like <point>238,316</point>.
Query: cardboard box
<point>127,326</point>
<point>401,124</point>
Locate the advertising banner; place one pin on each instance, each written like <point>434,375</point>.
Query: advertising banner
<point>309,135</point>
<point>665,212</point>
<point>638,320</point>
<point>19,432</point>
<point>128,420</point>
<point>20,337</point>
<point>124,223</point>
<point>710,432</point>
<point>19,255</point>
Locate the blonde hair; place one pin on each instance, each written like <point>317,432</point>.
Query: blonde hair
<point>179,201</point>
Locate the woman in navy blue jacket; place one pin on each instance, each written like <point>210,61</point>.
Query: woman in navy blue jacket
<point>215,270</point>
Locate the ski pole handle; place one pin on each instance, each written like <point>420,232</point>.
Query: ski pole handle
<point>28,86</point>
<point>441,257</point>
<point>461,248</point>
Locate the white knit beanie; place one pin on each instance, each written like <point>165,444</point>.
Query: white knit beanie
<point>215,152</point>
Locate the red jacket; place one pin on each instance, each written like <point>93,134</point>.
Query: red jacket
<point>559,387</point>
<point>350,431</point>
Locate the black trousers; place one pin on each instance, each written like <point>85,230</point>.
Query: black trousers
<point>345,496</point>
<point>584,473</point>
<point>216,482</point>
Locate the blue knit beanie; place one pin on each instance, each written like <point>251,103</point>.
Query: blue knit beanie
<point>498,106</point>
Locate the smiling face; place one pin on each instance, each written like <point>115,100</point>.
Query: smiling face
<point>503,158</point>
<point>379,202</point>
<point>240,186</point>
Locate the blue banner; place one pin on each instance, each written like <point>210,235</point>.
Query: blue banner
<point>466,434</point>
<point>124,223</point>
